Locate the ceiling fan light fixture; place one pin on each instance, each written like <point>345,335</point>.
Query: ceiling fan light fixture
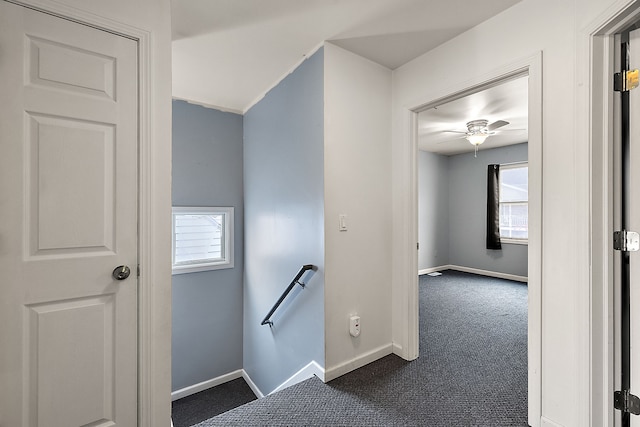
<point>477,132</point>
<point>476,138</point>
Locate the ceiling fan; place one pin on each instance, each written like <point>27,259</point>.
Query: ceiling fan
<point>479,130</point>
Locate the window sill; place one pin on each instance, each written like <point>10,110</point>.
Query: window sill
<point>523,242</point>
<point>198,268</point>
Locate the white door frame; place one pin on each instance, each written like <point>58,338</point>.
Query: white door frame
<point>531,66</point>
<point>595,124</point>
<point>154,301</point>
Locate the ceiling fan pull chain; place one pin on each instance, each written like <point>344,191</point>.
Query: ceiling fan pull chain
<point>476,153</point>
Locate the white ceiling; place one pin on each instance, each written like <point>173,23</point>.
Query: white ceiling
<point>507,101</point>
<point>229,53</point>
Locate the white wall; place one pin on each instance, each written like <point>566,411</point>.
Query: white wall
<point>357,183</point>
<point>529,27</point>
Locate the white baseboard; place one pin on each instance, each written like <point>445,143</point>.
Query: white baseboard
<point>259,394</point>
<point>196,388</point>
<point>432,269</point>
<point>397,350</point>
<point>487,273</point>
<point>307,372</point>
<point>545,422</point>
<point>357,362</point>
<point>311,369</point>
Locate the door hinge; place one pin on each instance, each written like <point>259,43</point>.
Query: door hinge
<point>626,241</point>
<point>138,272</point>
<point>625,81</point>
<point>418,246</point>
<point>626,402</point>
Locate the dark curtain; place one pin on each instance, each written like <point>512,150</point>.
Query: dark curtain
<point>493,207</point>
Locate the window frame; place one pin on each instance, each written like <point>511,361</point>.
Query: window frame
<point>514,240</point>
<point>227,260</point>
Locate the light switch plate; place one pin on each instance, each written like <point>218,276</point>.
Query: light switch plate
<point>342,221</point>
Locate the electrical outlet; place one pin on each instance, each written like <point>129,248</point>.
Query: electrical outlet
<point>354,325</point>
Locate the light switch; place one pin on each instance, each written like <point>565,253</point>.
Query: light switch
<point>342,219</point>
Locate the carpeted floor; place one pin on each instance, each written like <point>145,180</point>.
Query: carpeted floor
<point>472,369</point>
<point>198,407</point>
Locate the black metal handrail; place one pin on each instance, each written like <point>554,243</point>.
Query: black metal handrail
<point>294,282</point>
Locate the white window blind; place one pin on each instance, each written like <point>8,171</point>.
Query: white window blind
<point>514,202</point>
<point>202,239</point>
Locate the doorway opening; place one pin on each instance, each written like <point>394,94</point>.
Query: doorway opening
<point>452,224</point>
<point>529,70</point>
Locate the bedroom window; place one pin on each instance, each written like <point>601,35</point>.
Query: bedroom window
<point>514,203</point>
<point>202,239</point>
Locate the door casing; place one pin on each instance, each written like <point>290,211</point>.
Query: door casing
<point>595,124</point>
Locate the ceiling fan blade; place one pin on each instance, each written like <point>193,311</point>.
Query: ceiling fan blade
<point>514,130</point>
<point>454,131</point>
<point>497,124</point>
<point>449,141</point>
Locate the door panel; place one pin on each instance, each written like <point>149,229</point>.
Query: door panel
<point>70,68</point>
<point>52,331</point>
<point>62,152</point>
<point>68,204</point>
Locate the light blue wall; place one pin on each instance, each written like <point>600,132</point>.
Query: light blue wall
<point>283,187</point>
<point>433,210</point>
<point>468,213</point>
<point>207,306</point>
<point>452,212</point>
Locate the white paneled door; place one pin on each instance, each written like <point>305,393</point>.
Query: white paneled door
<point>68,218</point>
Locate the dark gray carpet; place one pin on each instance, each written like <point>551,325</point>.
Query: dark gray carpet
<point>472,369</point>
<point>198,407</point>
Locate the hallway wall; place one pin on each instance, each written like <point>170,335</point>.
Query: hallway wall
<point>357,183</point>
<point>207,306</point>
<point>284,226</point>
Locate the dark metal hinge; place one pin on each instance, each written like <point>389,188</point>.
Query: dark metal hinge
<point>625,81</point>
<point>626,402</point>
<point>626,241</point>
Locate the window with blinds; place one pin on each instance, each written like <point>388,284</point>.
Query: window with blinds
<point>202,239</point>
<point>514,203</point>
